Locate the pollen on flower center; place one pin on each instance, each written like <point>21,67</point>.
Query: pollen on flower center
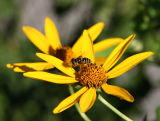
<point>91,75</point>
<point>64,53</point>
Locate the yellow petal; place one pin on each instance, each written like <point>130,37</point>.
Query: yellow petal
<point>69,101</point>
<point>128,63</point>
<point>37,38</point>
<point>57,63</point>
<point>87,48</point>
<point>93,101</point>
<point>95,30</point>
<point>87,99</point>
<point>117,53</point>
<point>24,67</point>
<point>77,47</point>
<point>100,60</point>
<point>54,78</point>
<point>52,34</point>
<point>107,43</point>
<point>118,92</point>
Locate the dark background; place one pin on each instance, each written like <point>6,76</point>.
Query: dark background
<point>24,99</point>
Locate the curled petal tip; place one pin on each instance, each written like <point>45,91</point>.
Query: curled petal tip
<point>132,100</point>
<point>133,36</point>
<point>38,54</point>
<point>85,31</point>
<point>46,18</point>
<point>24,74</point>
<point>151,53</point>
<point>9,65</point>
<point>55,111</point>
<point>101,23</point>
<point>25,28</point>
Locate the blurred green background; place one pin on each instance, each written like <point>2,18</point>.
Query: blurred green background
<point>24,99</point>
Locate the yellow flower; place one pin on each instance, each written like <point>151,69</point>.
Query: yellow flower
<point>91,76</point>
<point>50,44</point>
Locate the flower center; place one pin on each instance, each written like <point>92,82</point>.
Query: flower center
<point>65,54</point>
<point>91,75</point>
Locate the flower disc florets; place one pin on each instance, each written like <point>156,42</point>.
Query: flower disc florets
<point>91,75</point>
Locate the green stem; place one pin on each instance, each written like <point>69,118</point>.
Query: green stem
<point>113,108</point>
<point>83,115</point>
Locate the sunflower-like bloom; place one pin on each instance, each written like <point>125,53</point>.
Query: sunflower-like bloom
<point>91,76</point>
<point>50,44</point>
